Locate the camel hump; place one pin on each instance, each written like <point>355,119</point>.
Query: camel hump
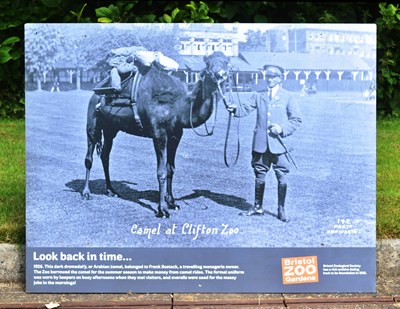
<point>165,88</point>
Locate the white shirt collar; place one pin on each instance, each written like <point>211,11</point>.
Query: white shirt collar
<point>274,90</point>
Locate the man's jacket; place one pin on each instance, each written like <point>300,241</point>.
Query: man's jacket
<point>283,109</point>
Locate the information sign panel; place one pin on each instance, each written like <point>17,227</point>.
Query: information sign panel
<point>157,162</point>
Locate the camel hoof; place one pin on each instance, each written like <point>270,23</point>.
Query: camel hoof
<point>111,193</point>
<point>86,196</point>
<point>162,214</point>
<point>174,206</point>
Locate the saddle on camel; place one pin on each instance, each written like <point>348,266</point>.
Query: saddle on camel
<point>166,108</point>
<point>119,88</point>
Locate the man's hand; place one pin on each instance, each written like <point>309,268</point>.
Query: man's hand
<point>231,108</point>
<point>275,129</point>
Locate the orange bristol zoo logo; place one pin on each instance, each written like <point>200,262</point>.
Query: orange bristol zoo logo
<point>296,270</point>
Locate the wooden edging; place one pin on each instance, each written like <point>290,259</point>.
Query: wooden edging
<point>286,302</point>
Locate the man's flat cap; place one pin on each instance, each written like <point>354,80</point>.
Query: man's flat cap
<point>273,67</point>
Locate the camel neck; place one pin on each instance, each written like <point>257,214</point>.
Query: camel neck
<point>201,102</point>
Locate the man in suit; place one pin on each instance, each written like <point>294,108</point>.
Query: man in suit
<point>278,116</point>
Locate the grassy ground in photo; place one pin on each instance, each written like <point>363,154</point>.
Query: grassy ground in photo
<point>12,181</point>
<point>335,182</point>
<point>388,179</point>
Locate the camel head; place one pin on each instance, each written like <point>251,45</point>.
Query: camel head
<point>217,65</point>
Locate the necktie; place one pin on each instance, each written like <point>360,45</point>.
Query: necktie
<point>270,95</point>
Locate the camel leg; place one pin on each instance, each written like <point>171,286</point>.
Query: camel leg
<point>86,194</point>
<point>105,159</point>
<point>172,146</point>
<point>160,146</point>
<point>93,136</point>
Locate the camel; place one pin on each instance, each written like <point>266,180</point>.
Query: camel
<point>165,108</point>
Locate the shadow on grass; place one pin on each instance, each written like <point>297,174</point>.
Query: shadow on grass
<point>125,192</point>
<point>123,189</point>
<point>225,200</point>
<point>219,198</point>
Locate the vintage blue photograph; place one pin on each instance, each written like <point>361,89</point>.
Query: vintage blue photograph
<point>201,144</point>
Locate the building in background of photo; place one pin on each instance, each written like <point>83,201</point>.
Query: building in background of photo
<point>322,57</point>
<point>325,57</point>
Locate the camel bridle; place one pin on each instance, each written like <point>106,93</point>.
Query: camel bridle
<point>218,78</point>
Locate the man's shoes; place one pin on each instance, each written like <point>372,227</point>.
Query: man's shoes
<point>282,214</point>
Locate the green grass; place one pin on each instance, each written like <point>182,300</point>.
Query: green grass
<point>388,179</point>
<point>12,181</point>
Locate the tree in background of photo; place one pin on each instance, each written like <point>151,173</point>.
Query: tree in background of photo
<point>16,13</point>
